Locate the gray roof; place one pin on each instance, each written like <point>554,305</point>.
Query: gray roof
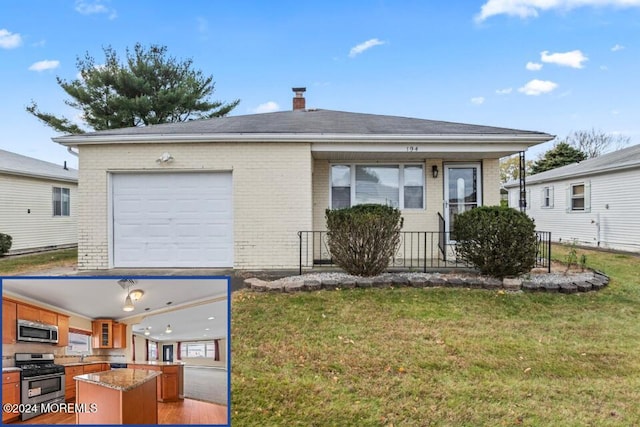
<point>16,164</point>
<point>615,161</point>
<point>314,122</point>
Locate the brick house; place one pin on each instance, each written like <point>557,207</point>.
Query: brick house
<point>235,191</point>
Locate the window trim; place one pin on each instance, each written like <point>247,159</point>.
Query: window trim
<point>61,191</point>
<point>572,197</point>
<point>184,348</point>
<point>546,195</point>
<point>400,165</point>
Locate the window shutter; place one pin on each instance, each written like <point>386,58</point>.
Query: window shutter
<point>568,194</point>
<point>551,196</point>
<point>587,196</point>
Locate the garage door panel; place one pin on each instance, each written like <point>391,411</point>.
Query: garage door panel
<point>172,220</point>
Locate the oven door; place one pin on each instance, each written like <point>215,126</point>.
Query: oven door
<point>42,388</point>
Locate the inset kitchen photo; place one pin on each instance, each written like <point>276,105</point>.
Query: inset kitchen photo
<point>115,350</point>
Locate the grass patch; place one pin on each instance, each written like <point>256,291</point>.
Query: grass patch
<point>38,262</point>
<point>440,356</point>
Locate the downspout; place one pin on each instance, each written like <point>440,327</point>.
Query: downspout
<point>70,150</point>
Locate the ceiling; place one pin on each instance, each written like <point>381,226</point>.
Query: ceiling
<point>184,303</point>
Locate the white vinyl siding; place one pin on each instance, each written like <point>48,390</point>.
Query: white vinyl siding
<point>28,219</point>
<point>397,185</point>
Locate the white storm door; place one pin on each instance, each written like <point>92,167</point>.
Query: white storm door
<point>462,190</point>
<point>172,219</point>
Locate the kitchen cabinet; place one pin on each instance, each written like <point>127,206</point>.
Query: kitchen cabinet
<point>94,367</point>
<point>35,314</point>
<point>169,383</point>
<point>102,333</point>
<point>8,322</point>
<point>119,335</point>
<point>10,393</point>
<point>63,330</point>
<point>69,383</point>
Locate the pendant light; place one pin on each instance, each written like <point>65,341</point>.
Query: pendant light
<point>168,330</point>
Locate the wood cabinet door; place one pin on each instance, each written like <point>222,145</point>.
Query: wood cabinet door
<point>102,333</point>
<point>119,335</point>
<point>26,312</point>
<point>10,394</point>
<point>63,331</point>
<point>9,325</point>
<point>48,317</point>
<point>169,386</point>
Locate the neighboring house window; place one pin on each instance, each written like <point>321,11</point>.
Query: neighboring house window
<point>400,186</point>
<point>201,349</point>
<point>79,343</point>
<point>61,201</point>
<point>578,197</point>
<point>547,197</point>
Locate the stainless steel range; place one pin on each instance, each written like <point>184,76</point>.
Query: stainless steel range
<point>42,382</point>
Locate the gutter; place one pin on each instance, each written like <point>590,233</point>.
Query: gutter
<point>75,140</point>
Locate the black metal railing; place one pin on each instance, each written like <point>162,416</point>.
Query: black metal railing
<point>418,250</point>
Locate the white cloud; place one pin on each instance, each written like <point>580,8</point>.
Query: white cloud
<point>478,100</point>
<point>358,49</point>
<point>531,8</point>
<point>533,66</point>
<point>9,40</point>
<point>267,107</point>
<point>573,59</point>
<point>44,65</point>
<point>537,87</point>
<point>617,47</point>
<point>505,91</point>
<point>85,7</point>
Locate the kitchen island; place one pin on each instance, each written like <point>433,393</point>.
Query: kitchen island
<point>119,396</point>
<point>171,380</point>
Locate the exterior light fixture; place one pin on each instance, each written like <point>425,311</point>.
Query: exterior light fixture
<point>434,171</point>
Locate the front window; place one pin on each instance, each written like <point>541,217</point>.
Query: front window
<point>577,197</point>
<point>153,350</point>
<point>201,349</point>
<point>61,201</point>
<point>399,186</point>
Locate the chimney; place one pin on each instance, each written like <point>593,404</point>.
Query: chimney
<point>298,100</point>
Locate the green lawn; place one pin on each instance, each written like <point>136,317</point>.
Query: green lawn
<point>451,357</point>
<point>34,263</point>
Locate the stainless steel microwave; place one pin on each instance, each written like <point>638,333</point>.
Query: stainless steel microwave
<point>37,332</point>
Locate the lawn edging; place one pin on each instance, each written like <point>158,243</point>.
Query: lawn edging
<point>560,283</point>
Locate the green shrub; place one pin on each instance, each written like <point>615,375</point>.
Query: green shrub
<point>362,239</point>
<point>5,243</point>
<point>498,241</point>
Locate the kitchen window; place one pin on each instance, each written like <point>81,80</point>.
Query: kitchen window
<point>79,343</point>
<point>397,185</point>
<point>61,201</point>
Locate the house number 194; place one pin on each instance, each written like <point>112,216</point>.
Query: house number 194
<point>412,148</point>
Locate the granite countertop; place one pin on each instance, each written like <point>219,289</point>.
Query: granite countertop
<point>119,379</point>
<point>156,363</point>
<point>84,363</point>
<point>11,369</point>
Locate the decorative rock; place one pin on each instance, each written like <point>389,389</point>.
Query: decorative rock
<point>399,281</point>
<point>379,282</point>
<point>436,281</point>
<point>455,282</point>
<point>550,287</point>
<point>364,282</point>
<point>312,285</point>
<point>511,284</point>
<point>293,287</point>
<point>330,284</point>
<point>583,286</point>
<point>596,284</point>
<point>568,288</point>
<point>418,282</point>
<point>273,286</point>
<point>253,281</point>
<point>601,277</point>
<point>348,283</point>
<point>530,286</point>
<point>492,283</point>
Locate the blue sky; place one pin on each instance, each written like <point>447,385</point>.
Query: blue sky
<point>548,65</point>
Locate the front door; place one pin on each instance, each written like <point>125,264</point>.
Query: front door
<point>167,353</point>
<point>462,190</point>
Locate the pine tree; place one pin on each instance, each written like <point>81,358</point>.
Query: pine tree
<point>560,155</point>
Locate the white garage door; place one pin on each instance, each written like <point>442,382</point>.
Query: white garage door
<point>172,220</point>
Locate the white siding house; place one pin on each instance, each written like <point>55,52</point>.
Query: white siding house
<point>38,203</point>
<point>595,202</point>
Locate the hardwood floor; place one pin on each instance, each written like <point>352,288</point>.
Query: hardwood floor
<point>186,411</point>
